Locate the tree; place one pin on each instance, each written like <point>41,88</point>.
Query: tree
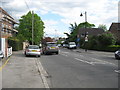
<point>75,28</point>
<point>25,28</point>
<point>102,26</point>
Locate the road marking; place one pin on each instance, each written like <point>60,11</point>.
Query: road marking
<point>117,71</point>
<point>64,55</point>
<point>43,73</point>
<point>101,62</point>
<point>4,64</point>
<point>84,61</point>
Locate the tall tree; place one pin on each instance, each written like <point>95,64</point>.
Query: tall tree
<point>73,34</point>
<point>25,28</point>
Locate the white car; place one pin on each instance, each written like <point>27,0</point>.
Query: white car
<point>33,50</point>
<point>1,55</point>
<point>72,45</point>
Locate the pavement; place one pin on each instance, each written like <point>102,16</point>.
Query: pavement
<point>22,72</point>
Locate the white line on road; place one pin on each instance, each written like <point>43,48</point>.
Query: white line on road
<point>64,55</point>
<point>117,71</point>
<point>84,61</point>
<point>43,73</point>
<point>101,62</point>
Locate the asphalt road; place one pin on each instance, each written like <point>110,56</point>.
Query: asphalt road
<point>71,69</point>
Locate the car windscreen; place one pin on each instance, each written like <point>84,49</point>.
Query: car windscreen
<point>33,47</point>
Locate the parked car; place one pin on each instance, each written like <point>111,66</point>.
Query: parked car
<point>33,50</point>
<point>65,45</point>
<point>1,55</point>
<point>50,47</point>
<point>72,45</point>
<point>117,54</point>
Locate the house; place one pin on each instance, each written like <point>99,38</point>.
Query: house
<point>115,29</point>
<point>89,31</point>
<point>6,30</point>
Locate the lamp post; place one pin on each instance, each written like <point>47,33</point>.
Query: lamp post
<point>85,15</point>
<point>86,33</point>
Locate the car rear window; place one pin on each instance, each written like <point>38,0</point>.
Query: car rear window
<point>33,47</point>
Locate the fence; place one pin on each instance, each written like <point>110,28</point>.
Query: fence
<point>9,51</point>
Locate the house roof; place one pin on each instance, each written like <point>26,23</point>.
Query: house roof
<point>115,29</point>
<point>91,31</point>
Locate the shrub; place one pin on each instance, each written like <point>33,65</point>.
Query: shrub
<point>15,44</point>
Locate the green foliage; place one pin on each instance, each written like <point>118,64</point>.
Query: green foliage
<point>104,42</point>
<point>25,28</point>
<point>104,27</point>
<point>74,29</point>
<point>106,39</point>
<point>15,43</point>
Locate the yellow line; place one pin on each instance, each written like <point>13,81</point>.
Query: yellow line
<point>4,64</point>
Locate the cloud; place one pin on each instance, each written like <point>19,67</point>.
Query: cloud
<point>98,12</point>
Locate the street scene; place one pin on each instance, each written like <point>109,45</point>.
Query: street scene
<point>60,44</point>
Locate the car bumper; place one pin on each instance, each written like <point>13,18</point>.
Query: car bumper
<point>72,47</point>
<point>52,51</point>
<point>33,53</point>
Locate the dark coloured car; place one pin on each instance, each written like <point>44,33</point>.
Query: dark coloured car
<point>117,54</point>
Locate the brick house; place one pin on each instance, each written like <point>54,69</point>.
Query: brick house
<point>6,30</point>
<point>115,29</point>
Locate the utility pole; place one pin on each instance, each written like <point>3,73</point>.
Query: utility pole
<point>32,27</point>
<point>1,25</point>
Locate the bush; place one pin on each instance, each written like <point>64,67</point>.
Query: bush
<point>103,42</point>
<point>15,44</point>
<point>106,39</point>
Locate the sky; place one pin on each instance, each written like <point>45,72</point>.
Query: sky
<point>57,15</point>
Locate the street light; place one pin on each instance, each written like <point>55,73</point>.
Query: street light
<point>85,15</point>
<point>86,33</point>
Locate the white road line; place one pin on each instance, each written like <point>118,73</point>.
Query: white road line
<point>117,71</point>
<point>101,62</point>
<point>84,61</point>
<point>43,73</point>
<point>64,55</point>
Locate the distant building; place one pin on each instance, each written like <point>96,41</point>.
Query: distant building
<point>115,29</point>
<point>90,31</point>
<point>6,30</point>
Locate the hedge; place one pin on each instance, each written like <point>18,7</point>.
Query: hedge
<point>111,48</point>
<point>15,44</point>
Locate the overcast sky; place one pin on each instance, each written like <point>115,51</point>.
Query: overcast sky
<point>58,14</point>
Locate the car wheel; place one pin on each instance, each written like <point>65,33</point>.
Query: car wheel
<point>57,52</point>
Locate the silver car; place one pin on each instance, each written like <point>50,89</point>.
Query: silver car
<point>50,47</point>
<point>33,50</point>
<point>1,55</point>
